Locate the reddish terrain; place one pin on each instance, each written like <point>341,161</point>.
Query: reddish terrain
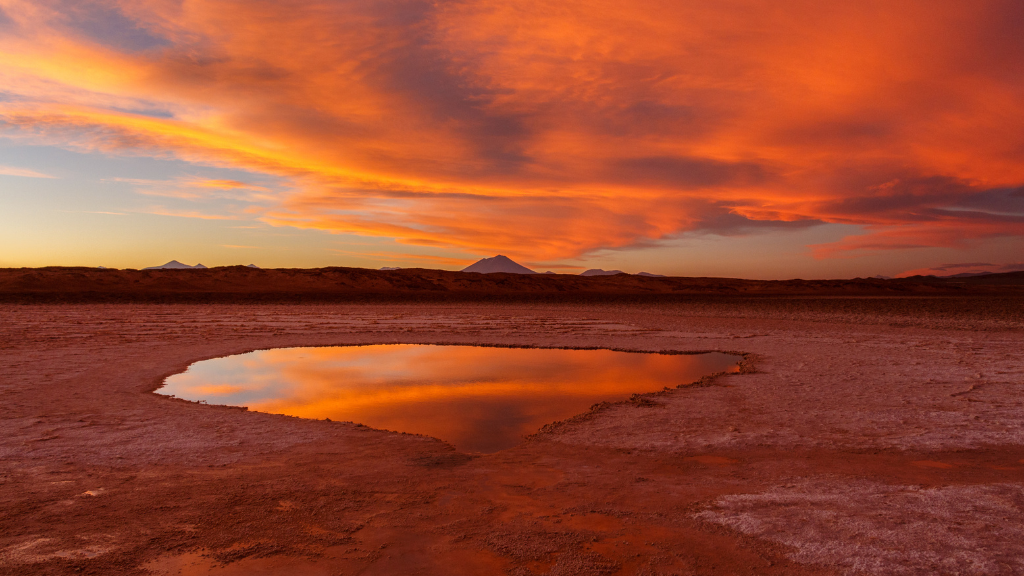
<point>233,284</point>
<point>866,435</point>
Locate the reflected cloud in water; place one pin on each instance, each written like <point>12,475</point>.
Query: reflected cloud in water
<point>481,399</point>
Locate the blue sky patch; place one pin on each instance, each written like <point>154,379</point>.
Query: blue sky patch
<point>111,28</point>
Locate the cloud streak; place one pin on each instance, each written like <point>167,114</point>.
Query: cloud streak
<point>22,172</point>
<point>549,132</point>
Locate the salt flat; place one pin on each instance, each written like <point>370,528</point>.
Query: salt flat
<point>865,436</point>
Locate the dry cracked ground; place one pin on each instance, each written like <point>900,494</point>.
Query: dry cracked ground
<point>864,436</point>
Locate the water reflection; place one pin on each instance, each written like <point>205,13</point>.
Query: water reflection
<point>480,399</point>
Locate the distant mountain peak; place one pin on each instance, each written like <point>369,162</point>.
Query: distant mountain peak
<point>599,272</point>
<point>175,265</point>
<point>498,263</point>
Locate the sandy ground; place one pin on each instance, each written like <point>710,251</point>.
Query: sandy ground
<point>866,436</point>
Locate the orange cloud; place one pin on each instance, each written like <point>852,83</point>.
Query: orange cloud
<point>197,189</point>
<point>226,185</point>
<point>549,131</point>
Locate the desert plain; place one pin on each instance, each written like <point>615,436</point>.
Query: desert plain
<point>877,429</point>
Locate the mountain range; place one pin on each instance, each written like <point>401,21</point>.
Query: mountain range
<point>505,264</point>
<point>175,265</point>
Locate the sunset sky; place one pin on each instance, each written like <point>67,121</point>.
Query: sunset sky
<point>758,139</point>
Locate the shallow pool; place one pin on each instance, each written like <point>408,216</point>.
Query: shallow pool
<point>481,399</point>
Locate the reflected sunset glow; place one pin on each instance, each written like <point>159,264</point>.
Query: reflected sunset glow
<point>480,399</point>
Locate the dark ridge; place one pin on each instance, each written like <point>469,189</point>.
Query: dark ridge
<point>335,284</point>
<point>981,279</point>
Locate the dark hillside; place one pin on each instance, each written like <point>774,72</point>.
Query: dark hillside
<point>243,284</point>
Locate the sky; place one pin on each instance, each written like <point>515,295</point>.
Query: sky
<point>742,138</point>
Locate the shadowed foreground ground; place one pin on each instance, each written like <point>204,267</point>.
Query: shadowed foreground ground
<point>870,435</point>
